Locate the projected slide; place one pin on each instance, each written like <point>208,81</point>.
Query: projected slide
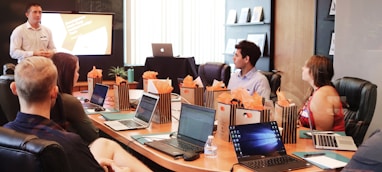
<point>80,34</point>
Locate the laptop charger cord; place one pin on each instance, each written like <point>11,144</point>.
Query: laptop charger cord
<point>234,166</point>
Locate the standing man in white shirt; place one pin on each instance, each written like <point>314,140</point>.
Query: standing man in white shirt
<point>31,38</point>
<point>245,58</point>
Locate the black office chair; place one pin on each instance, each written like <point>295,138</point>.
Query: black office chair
<point>27,153</point>
<point>274,82</point>
<point>214,70</point>
<point>9,103</point>
<point>359,106</point>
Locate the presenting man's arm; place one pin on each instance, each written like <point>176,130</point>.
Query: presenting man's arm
<point>51,49</point>
<point>15,50</point>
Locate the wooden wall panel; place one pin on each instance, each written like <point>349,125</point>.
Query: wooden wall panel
<point>294,43</point>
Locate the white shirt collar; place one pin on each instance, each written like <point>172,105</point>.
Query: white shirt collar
<point>29,26</point>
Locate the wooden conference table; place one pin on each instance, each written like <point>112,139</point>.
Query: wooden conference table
<point>226,155</point>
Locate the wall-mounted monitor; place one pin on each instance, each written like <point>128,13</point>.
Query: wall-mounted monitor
<point>80,33</point>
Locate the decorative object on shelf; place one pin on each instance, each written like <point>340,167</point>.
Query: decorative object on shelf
<point>332,10</point>
<point>231,18</point>
<point>249,21</point>
<point>245,15</point>
<point>230,47</point>
<point>257,15</point>
<point>258,39</point>
<point>332,46</point>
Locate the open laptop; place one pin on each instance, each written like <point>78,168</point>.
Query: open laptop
<point>195,125</point>
<point>98,97</point>
<point>162,50</point>
<point>259,147</point>
<point>143,115</point>
<point>330,140</point>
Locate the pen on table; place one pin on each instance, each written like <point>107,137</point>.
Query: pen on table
<point>313,154</point>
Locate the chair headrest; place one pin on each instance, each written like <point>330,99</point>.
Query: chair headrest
<point>353,88</point>
<point>11,138</point>
<point>9,68</point>
<point>10,77</point>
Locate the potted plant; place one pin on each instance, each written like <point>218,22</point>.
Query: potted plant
<point>117,71</point>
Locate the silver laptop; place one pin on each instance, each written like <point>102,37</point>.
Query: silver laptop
<point>143,115</point>
<point>195,125</point>
<point>98,97</point>
<point>258,146</point>
<point>162,50</point>
<point>331,140</point>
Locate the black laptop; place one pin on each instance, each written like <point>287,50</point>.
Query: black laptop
<point>195,125</point>
<point>259,147</point>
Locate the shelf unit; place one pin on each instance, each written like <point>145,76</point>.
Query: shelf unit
<point>241,30</point>
<point>324,28</point>
<point>247,24</point>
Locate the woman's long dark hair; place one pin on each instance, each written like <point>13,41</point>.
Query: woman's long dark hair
<point>66,66</point>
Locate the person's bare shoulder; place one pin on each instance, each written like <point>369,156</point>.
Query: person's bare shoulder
<point>327,94</point>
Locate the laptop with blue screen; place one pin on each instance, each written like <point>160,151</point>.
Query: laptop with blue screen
<point>258,146</point>
<point>98,97</point>
<point>142,116</point>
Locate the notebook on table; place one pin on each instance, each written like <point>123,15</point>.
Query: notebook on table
<point>330,140</point>
<point>259,147</point>
<point>162,49</point>
<point>195,125</point>
<point>142,117</point>
<point>98,97</point>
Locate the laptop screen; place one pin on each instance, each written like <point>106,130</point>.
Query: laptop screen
<point>196,122</point>
<point>99,94</point>
<point>257,139</point>
<point>146,107</point>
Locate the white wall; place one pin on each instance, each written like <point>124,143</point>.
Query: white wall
<point>358,46</point>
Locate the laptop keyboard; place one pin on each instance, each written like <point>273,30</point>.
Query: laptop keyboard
<point>184,145</point>
<point>266,162</point>
<point>130,123</point>
<point>326,140</point>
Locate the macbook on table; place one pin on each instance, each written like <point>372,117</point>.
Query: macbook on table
<point>259,147</point>
<point>98,97</point>
<point>330,140</point>
<point>142,117</point>
<point>162,49</point>
<point>195,125</point>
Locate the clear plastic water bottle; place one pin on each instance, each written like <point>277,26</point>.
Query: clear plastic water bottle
<point>210,149</point>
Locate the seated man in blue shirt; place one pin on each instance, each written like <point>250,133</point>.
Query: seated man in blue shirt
<point>36,85</point>
<point>368,156</point>
<point>245,58</point>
